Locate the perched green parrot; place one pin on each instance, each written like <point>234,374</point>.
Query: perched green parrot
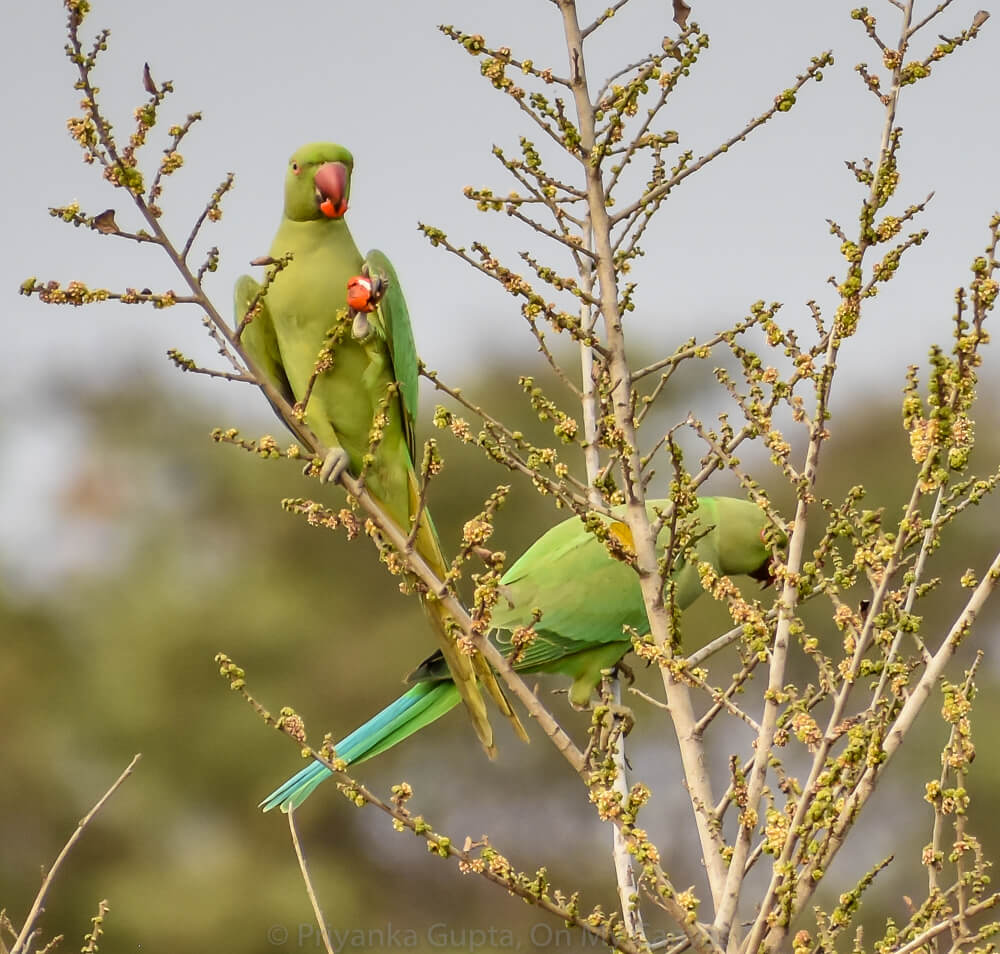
<point>368,379</point>
<point>586,598</point>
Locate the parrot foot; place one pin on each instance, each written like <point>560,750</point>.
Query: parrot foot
<point>623,717</point>
<point>361,327</point>
<point>334,464</point>
<point>625,672</point>
<point>616,721</point>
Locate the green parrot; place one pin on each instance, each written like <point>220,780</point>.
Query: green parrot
<point>369,378</point>
<point>585,597</point>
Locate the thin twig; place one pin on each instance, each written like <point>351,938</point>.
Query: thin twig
<point>920,941</point>
<point>636,518</point>
<point>23,943</point>
<point>603,18</point>
<point>659,191</point>
<point>927,19</point>
<point>313,900</point>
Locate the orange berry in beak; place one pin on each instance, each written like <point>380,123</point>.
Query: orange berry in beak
<point>332,211</point>
<point>330,181</point>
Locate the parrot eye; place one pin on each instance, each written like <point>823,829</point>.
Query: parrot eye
<point>295,168</point>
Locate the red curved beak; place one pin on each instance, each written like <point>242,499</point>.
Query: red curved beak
<point>330,181</point>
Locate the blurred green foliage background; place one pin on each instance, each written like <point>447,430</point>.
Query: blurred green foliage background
<point>184,551</point>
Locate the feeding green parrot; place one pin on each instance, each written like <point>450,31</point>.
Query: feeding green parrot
<point>586,598</point>
<point>367,382</point>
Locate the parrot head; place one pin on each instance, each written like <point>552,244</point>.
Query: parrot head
<point>746,538</point>
<point>318,182</point>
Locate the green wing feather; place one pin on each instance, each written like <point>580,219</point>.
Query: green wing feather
<point>569,575</point>
<point>545,650</point>
<point>587,598</point>
<point>259,338</point>
<point>392,322</point>
<point>293,328</point>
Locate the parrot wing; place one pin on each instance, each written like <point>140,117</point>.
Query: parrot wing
<point>259,338</point>
<point>545,651</point>
<point>391,320</point>
<point>587,637</point>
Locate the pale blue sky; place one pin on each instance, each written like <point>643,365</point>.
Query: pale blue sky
<point>420,121</point>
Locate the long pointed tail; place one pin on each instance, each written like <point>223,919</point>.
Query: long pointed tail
<point>420,706</point>
<point>469,672</point>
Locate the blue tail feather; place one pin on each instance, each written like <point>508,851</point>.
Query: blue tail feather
<point>416,708</point>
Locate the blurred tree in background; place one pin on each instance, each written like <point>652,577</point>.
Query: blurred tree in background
<point>180,550</point>
<point>190,554</point>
